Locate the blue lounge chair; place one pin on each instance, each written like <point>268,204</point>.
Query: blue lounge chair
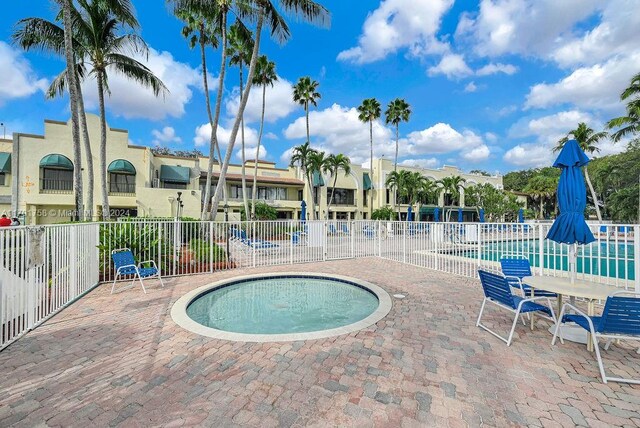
<point>255,244</point>
<point>620,319</point>
<point>369,232</point>
<point>345,229</point>
<point>332,229</point>
<point>516,269</point>
<point>498,291</point>
<point>126,265</point>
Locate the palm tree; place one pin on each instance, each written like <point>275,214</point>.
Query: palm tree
<point>305,92</point>
<point>429,191</point>
<point>541,188</point>
<point>588,140</point>
<point>332,165</point>
<point>451,186</point>
<point>316,163</point>
<point>394,183</point>
<point>368,112</point>
<point>398,111</point>
<point>97,25</point>
<point>307,10</point>
<point>240,46</point>
<point>300,156</point>
<point>265,76</point>
<point>629,124</point>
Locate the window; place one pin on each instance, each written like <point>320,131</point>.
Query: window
<point>300,195</point>
<point>388,198</point>
<point>172,185</point>
<point>342,196</point>
<point>364,198</point>
<point>2,179</point>
<point>57,180</point>
<point>122,183</point>
<point>272,193</point>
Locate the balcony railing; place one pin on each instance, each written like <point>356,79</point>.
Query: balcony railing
<point>50,185</point>
<point>123,189</point>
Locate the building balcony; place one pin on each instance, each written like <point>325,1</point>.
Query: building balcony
<point>53,186</point>
<point>122,189</point>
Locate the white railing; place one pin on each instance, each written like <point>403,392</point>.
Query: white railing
<point>77,257</point>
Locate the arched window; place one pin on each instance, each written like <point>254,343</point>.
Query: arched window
<point>56,174</point>
<point>122,177</point>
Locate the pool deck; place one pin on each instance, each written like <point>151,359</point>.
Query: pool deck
<point>120,360</point>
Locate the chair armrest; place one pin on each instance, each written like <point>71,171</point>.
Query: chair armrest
<point>148,261</point>
<point>516,279</point>
<point>533,299</point>
<point>126,266</point>
<point>579,312</point>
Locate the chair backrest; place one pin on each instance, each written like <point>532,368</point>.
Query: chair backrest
<point>621,314</point>
<point>516,266</point>
<point>122,257</point>
<point>332,228</point>
<point>345,229</point>
<point>496,288</point>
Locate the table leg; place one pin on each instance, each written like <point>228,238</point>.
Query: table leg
<point>590,312</point>
<point>533,292</point>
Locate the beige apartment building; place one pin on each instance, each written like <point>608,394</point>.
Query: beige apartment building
<point>36,181</point>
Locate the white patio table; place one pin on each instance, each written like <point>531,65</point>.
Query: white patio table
<point>591,291</point>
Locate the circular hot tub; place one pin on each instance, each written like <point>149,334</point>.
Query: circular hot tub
<point>281,307</point>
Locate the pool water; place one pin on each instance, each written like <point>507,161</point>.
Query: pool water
<point>283,305</point>
<point>609,259</point>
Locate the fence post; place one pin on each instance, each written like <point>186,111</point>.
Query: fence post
<point>540,250</point>
<point>325,240</point>
<point>253,240</point>
<point>73,261</point>
<point>293,227</point>
<point>479,245</point>
<point>404,242</point>
<point>379,238</point>
<point>636,256</point>
<point>353,238</point>
<point>213,245</point>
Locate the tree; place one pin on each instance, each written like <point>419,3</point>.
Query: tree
<point>542,188</point>
<point>630,124</point>
<point>300,156</point>
<point>384,213</point>
<point>305,93</point>
<point>451,186</point>
<point>369,111</point>
<point>398,111</point>
<point>495,202</point>
<point>97,25</point>
<point>588,140</point>
<point>202,29</point>
<point>265,76</point>
<point>316,162</point>
<point>307,10</point>
<point>240,47</point>
<point>332,165</point>
<point>262,211</point>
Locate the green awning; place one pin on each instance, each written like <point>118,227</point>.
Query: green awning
<point>5,162</point>
<point>366,182</point>
<point>121,166</point>
<point>56,161</point>
<point>318,180</point>
<point>175,174</point>
<point>427,209</point>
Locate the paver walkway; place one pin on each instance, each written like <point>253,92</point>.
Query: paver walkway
<point>120,360</point>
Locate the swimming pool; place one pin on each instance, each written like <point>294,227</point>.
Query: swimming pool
<point>280,307</point>
<point>604,258</point>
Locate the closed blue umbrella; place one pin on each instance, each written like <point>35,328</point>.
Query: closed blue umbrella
<point>409,214</point>
<point>303,205</point>
<point>460,215</point>
<point>520,215</point>
<point>570,227</point>
<point>481,215</point>
<point>436,214</point>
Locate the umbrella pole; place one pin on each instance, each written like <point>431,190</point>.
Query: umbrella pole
<point>573,266</point>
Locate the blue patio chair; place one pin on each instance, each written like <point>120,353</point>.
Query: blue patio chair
<point>257,244</point>
<point>296,238</point>
<point>345,229</point>
<point>369,232</point>
<point>332,229</point>
<point>126,265</point>
<point>516,269</point>
<point>498,291</point>
<point>620,319</point>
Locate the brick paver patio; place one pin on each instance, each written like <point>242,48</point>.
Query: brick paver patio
<point>120,360</point>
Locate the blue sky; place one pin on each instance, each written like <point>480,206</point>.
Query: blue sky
<point>493,84</point>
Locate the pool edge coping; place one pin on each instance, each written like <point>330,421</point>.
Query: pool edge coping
<point>180,317</point>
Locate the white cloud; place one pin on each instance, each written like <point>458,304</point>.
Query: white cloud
<point>477,154</point>
<point>452,66</point>
<point>428,163</point>
<point>598,86</point>
<point>166,135</point>
<point>18,78</point>
<point>130,100</point>
<point>491,137</point>
<point>399,24</point>
<point>441,138</point>
<point>492,68</point>
<point>525,27</point>
<point>529,155</point>
<point>250,153</point>
<point>471,87</point>
<point>279,102</point>
<point>203,136</point>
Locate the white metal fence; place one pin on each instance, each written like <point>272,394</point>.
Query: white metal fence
<point>77,257</point>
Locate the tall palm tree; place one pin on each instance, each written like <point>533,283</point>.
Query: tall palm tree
<point>265,76</point>
<point>305,93</point>
<point>398,111</point>
<point>307,10</point>
<point>629,124</point>
<point>300,156</point>
<point>332,165</point>
<point>429,191</point>
<point>369,111</point>
<point>394,183</point>
<point>541,188</point>
<point>316,162</point>
<point>451,186</point>
<point>588,141</point>
<point>105,50</point>
<point>240,47</point>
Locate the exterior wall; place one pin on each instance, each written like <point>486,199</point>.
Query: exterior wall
<point>24,192</point>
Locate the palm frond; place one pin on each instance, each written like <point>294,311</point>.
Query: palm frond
<point>138,72</point>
